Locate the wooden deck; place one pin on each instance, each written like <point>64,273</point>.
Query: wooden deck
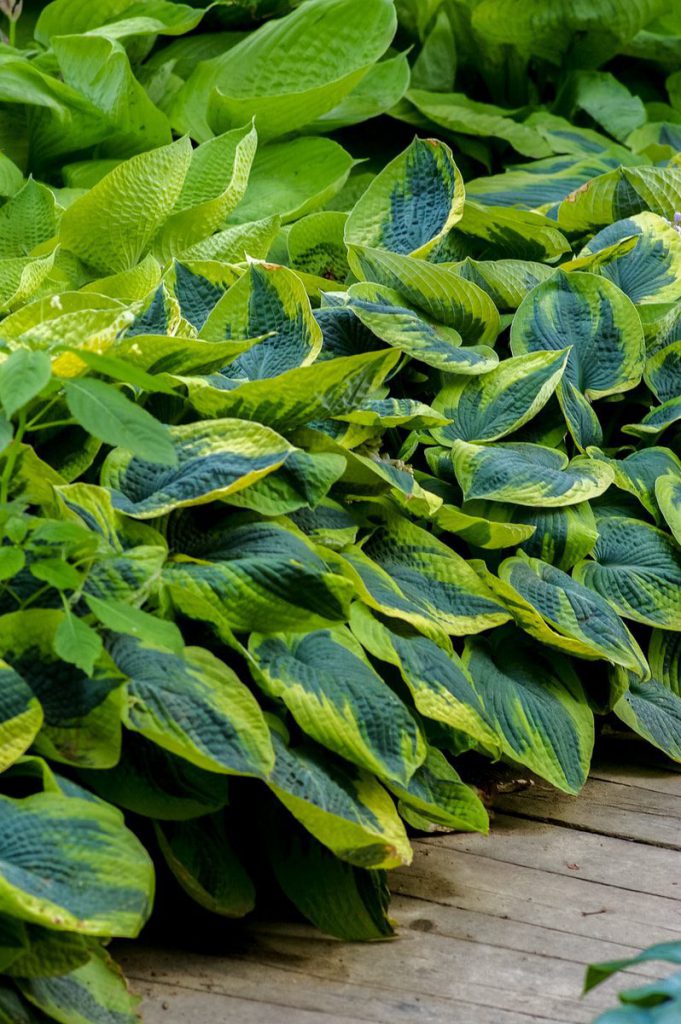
<point>493,930</point>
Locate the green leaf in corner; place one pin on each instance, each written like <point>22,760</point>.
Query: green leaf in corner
<point>111,417</point>
<point>124,618</point>
<point>77,643</point>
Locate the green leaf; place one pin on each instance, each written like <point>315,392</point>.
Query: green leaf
<point>528,474</point>
<point>241,577</point>
<point>342,807</point>
<point>202,860</point>
<point>385,313</point>
<point>276,188</point>
<point>123,618</point>
<point>27,220</point>
<point>213,459</point>
<point>503,400</point>
<point>335,696</point>
<point>537,707</point>
<point>437,291</point>
<point>86,839</point>
<point>267,301</point>
<point>414,201</point>
<point>112,227</point>
<point>21,716</point>
<point>111,417</point>
<point>668,496</point>
<point>437,800</point>
<point>292,70</point>
<point>77,643</point>
<point>583,309</point>
<point>12,561</point>
<point>92,994</point>
<point>648,272</point>
<point>637,569</point>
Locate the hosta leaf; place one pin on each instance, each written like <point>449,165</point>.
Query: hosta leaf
<point>378,91</point>
<point>81,713</point>
<point>437,800</point>
<point>267,300</point>
<point>316,246</point>
<point>482,531</point>
<point>214,458</point>
<point>335,696</point>
<point>344,808</point>
<point>339,899</point>
<point>216,181</point>
<point>292,70</point>
<point>583,310</point>
<point>21,277</point>
<point>457,113</point>
<point>334,387</point>
<point>21,716</point>
<point>637,568</point>
<point>302,482</point>
<point>109,416</point>
<point>44,883</point>
<point>528,474</point>
<point>23,375</point>
<point>276,187</point>
<point>490,407</point>
<point>112,226</point>
<point>193,705</point>
<point>557,610</point>
<point>439,683</point>
<point>440,293</point>
<point>639,472</point>
<point>383,311</point>
<point>92,994</point>
<point>650,271</point>
<point>668,495</point>
<point>28,219</point>
<point>496,232</point>
<point>537,707</point>
<point>414,201</point>
<point>606,100</point>
<point>408,574</point>
<point>257,573</point>
<point>538,184</point>
<point>507,282</point>
<point>653,708</point>
<point>562,536</point>
<point>663,372</point>
<point>48,953</point>
<point>236,243</point>
<point>200,857</point>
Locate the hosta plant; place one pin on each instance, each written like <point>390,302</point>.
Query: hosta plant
<point>318,478</point>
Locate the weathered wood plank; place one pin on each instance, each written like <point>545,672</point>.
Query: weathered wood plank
<point>606,808</point>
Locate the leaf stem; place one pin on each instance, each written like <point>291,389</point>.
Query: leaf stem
<point>12,32</point>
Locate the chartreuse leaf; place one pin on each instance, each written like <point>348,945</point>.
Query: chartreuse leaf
<point>215,182</point>
<point>382,87</point>
<point>406,573</point>
<point>292,70</point>
<point>193,705</point>
<point>327,684</point>
<point>653,708</point>
<point>414,201</point>
<point>490,407</point>
<point>112,227</point>
<point>202,860</point>
<point>48,953</point>
<point>439,684</point>
<point>437,291</point>
<point>582,311</point>
<point>256,573</point>
<point>334,387</point>
<point>234,244</point>
<point>315,245</point>
<point>482,531</point>
<point>528,474</point>
<point>559,611</point>
<point>109,416</point>
<point>21,716</point>
<point>214,459</point>
<point>561,536</point>
<point>499,232</point>
<point>44,883</point>
<point>268,300</point>
<point>650,271</point>
<point>639,472</point>
<point>124,618</point>
<point>384,312</point>
<point>537,707</point>
<point>27,220</point>
<point>91,994</point>
<point>81,713</point>
<point>21,277</point>
<point>276,188</point>
<point>637,569</point>
<point>668,495</point>
<point>115,18</point>
<point>343,807</point>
